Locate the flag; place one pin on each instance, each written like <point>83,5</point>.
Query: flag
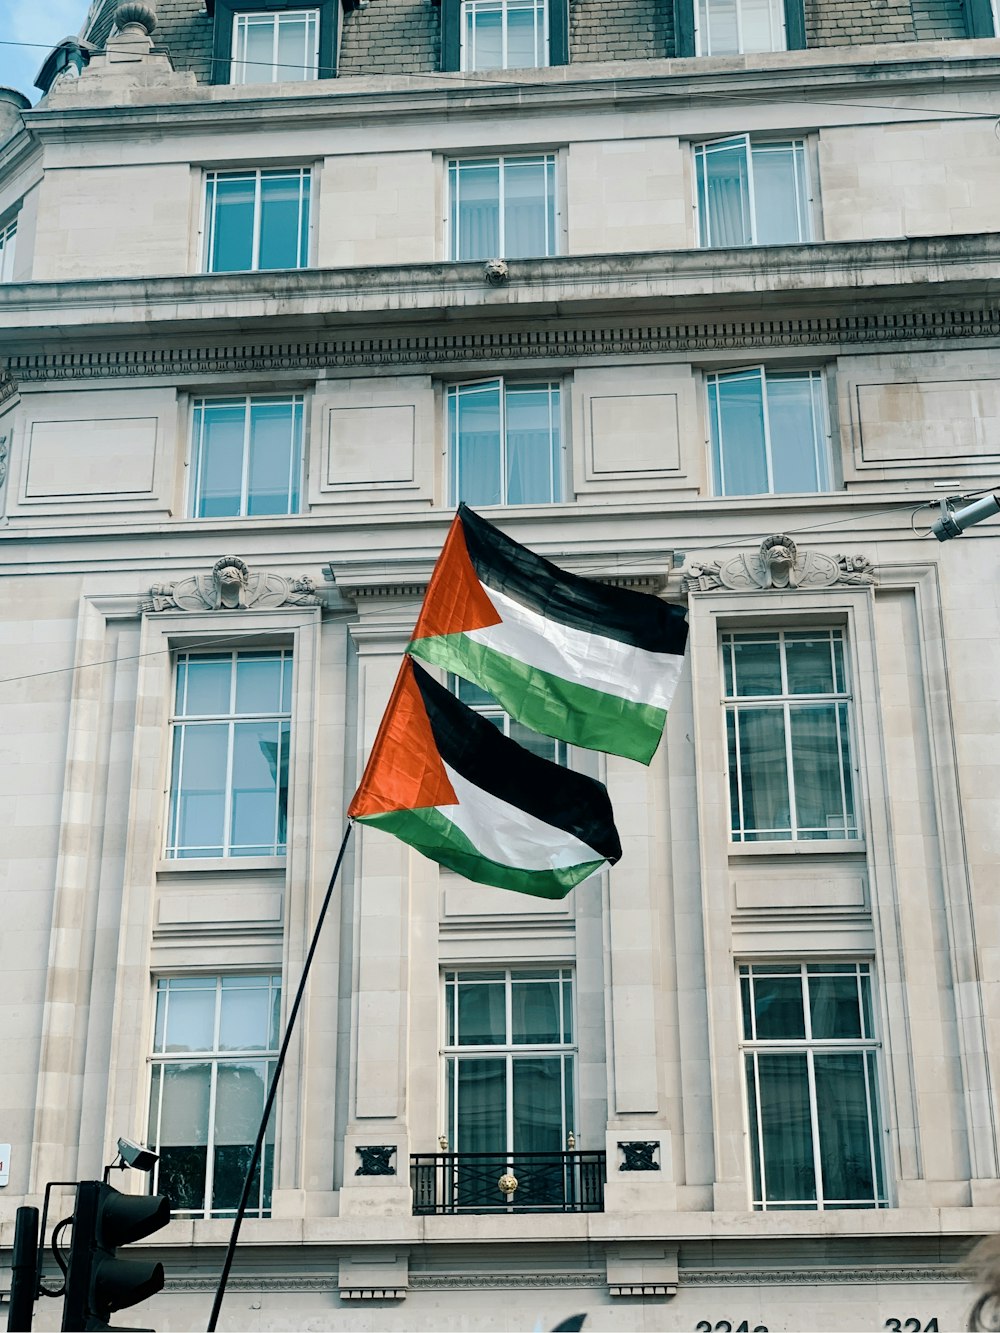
<point>567,656</point>
<point>445,780</point>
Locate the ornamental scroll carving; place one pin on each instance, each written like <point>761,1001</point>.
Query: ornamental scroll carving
<point>777,564</point>
<point>231,586</point>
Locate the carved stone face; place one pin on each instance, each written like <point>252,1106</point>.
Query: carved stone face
<point>229,575</point>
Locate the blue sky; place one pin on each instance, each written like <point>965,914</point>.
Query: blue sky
<point>28,31</point>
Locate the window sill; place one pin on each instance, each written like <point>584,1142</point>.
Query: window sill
<point>831,847</point>
<point>229,865</point>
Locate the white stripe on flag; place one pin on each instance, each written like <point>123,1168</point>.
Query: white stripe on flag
<point>586,658</point>
<point>512,837</point>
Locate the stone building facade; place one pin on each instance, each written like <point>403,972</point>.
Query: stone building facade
<point>745,339</point>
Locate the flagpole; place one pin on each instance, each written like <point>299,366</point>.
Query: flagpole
<point>273,1090</point>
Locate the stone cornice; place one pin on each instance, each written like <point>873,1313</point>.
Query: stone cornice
<point>891,68</point>
<point>811,288</point>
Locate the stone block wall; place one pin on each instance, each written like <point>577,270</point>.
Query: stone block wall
<point>637,30</point>
<point>391,37</point>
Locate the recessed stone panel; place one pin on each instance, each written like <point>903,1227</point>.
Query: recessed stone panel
<point>928,421</point>
<point>370,445</point>
<point>754,893</point>
<point>90,458</point>
<point>633,433</point>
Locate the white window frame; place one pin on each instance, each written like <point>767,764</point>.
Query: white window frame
<point>296,479</point>
<point>494,712</point>
<point>243,19</point>
<point>733,703</point>
<point>304,244</point>
<point>702,45</point>
<point>802,180</point>
<point>556,422</point>
<point>467,17</point>
<point>8,250</point>
<point>180,721</point>
<point>821,426</point>
<point>553,216</point>
<point>868,1044</point>
<point>214,1057</point>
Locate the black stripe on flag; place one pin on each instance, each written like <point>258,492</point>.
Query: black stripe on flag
<point>635,618</point>
<point>488,759</point>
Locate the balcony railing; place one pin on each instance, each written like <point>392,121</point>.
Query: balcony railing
<point>547,1182</point>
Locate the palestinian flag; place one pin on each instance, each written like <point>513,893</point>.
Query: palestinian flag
<point>568,656</point>
<point>445,780</point>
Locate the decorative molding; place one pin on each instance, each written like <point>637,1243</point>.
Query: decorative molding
<point>231,587</point>
<point>255,1282</point>
<point>372,1293</point>
<point>8,387</point>
<point>375,1160</point>
<point>715,1277</point>
<point>777,564</point>
<point>474,1281</point>
<point>639,1155</point>
<point>4,455</point>
<point>643,1289</point>
<point>564,344</point>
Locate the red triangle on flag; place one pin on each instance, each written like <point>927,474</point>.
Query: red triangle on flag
<point>455,601</point>
<point>404,770</point>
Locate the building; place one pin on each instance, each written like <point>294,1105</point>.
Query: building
<point>744,339</point>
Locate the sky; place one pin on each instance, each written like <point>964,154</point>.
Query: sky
<point>29,29</point>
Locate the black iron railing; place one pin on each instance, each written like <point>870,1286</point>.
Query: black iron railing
<point>547,1182</point>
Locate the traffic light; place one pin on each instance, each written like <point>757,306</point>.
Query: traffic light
<point>97,1281</point>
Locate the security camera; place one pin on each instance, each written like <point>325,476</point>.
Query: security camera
<point>953,522</point>
<point>134,1154</point>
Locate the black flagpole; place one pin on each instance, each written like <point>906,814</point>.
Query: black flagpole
<point>272,1091</point>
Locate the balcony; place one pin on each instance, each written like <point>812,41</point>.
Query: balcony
<point>546,1182</point>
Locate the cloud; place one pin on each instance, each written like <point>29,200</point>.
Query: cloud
<point>29,31</point>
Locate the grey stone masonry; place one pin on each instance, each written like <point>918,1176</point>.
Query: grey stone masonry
<point>634,30</point>
<point>391,37</point>
<point>936,19</point>
<point>854,22</point>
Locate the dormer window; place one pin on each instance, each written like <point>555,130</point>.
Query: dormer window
<point>503,34</point>
<point>273,41</point>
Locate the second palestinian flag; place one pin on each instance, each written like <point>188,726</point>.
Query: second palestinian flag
<point>567,656</point>
<point>446,781</point>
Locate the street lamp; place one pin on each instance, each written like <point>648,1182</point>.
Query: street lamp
<point>953,522</point>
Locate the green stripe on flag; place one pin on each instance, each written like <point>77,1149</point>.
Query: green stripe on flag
<point>433,834</point>
<point>592,719</point>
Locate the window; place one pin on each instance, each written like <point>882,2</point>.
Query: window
<point>788,730</point>
<point>246,456</point>
<point>508,1070</point>
<point>812,1086</point>
<point>229,775</point>
<point>256,220</point>
<point>272,47</point>
<point>503,207</point>
<point>504,34</point>
<point>484,704</point>
<point>769,432</point>
<point>213,1057</point>
<point>273,41</point>
<point>728,27</point>
<point>752,193</point>
<point>8,240</point>
<point>504,442</point>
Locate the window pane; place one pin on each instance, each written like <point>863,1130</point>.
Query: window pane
<point>482,1014</point>
<point>208,679</point>
<point>723,194</point>
<point>842,1110</point>
<point>476,210</point>
<point>190,1022</point>
<point>198,819</point>
<point>758,666</point>
<point>833,1006</point>
<point>535,1009</point>
<point>779,194</point>
<point>181,1176</point>
<point>184,1113</point>
<point>256,761</point>
<point>764,773</point>
<point>778,1007</point>
<point>296,46</point>
<point>762,29</point>
<point>798,441</point>
<point>484,36</point>
<point>538,1116</point>
<point>482,1106</point>
<point>526,210</point>
<point>255,49</point>
<point>219,431</point>
<point>524,35</point>
<point>231,201</point>
<point>279,220</point>
<point>532,442</point>
<point>786,1127</point>
<point>809,664</point>
<point>816,764</point>
<point>717,28</point>
<point>274,451</point>
<point>736,415</point>
<point>475,433</point>
<point>544,746</point>
<point>244,1023</point>
<point>239,1101</point>
<point>258,683</point>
